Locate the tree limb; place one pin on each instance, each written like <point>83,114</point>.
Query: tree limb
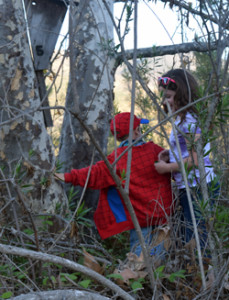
<point>60,295</point>
<point>68,264</point>
<point>168,50</point>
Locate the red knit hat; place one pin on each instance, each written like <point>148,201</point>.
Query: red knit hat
<point>122,123</point>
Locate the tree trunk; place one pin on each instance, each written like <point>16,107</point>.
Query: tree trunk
<point>26,154</point>
<point>90,87</point>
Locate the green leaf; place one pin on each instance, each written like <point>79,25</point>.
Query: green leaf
<point>179,274</point>
<point>46,264</point>
<point>21,276</point>
<point>6,295</point>
<point>62,277</point>
<point>59,165</point>
<point>70,276</point>
<point>31,153</point>
<point>85,283</point>
<point>136,285</point>
<point>159,272</point>
<point>222,121</point>
<point>72,194</point>
<point>208,152</point>
<point>28,231</point>
<point>26,186</point>
<point>18,168</point>
<point>123,174</point>
<point>45,280</point>
<point>117,276</point>
<point>48,222</point>
<point>53,279</point>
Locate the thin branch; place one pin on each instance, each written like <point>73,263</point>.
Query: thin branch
<point>133,90</point>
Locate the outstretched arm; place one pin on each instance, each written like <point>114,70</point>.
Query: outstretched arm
<point>99,178</point>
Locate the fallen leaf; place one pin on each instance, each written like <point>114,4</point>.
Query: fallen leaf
<point>134,262</point>
<point>126,275</point>
<point>132,269</point>
<point>142,274</point>
<point>91,262</point>
<point>161,234</point>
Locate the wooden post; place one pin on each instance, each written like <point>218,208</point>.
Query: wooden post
<point>45,18</point>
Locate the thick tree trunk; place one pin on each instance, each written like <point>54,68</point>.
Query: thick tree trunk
<point>24,141</point>
<point>91,85</point>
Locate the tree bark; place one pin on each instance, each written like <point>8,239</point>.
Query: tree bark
<point>90,85</point>
<point>26,154</point>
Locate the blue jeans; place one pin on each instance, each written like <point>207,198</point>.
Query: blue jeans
<point>135,247</point>
<point>187,229</point>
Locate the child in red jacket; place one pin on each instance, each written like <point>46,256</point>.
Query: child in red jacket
<point>149,192</point>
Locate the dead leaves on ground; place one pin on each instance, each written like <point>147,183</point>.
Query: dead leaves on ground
<point>134,266</point>
<point>133,269</point>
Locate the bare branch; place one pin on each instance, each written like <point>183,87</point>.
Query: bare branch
<point>61,294</point>
<point>169,50</point>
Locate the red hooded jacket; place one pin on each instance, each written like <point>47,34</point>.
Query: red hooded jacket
<point>150,193</point>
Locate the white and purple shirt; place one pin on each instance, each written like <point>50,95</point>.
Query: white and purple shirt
<point>189,126</point>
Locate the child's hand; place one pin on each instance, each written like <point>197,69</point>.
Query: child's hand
<point>59,176</point>
<point>164,155</point>
<point>162,167</point>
